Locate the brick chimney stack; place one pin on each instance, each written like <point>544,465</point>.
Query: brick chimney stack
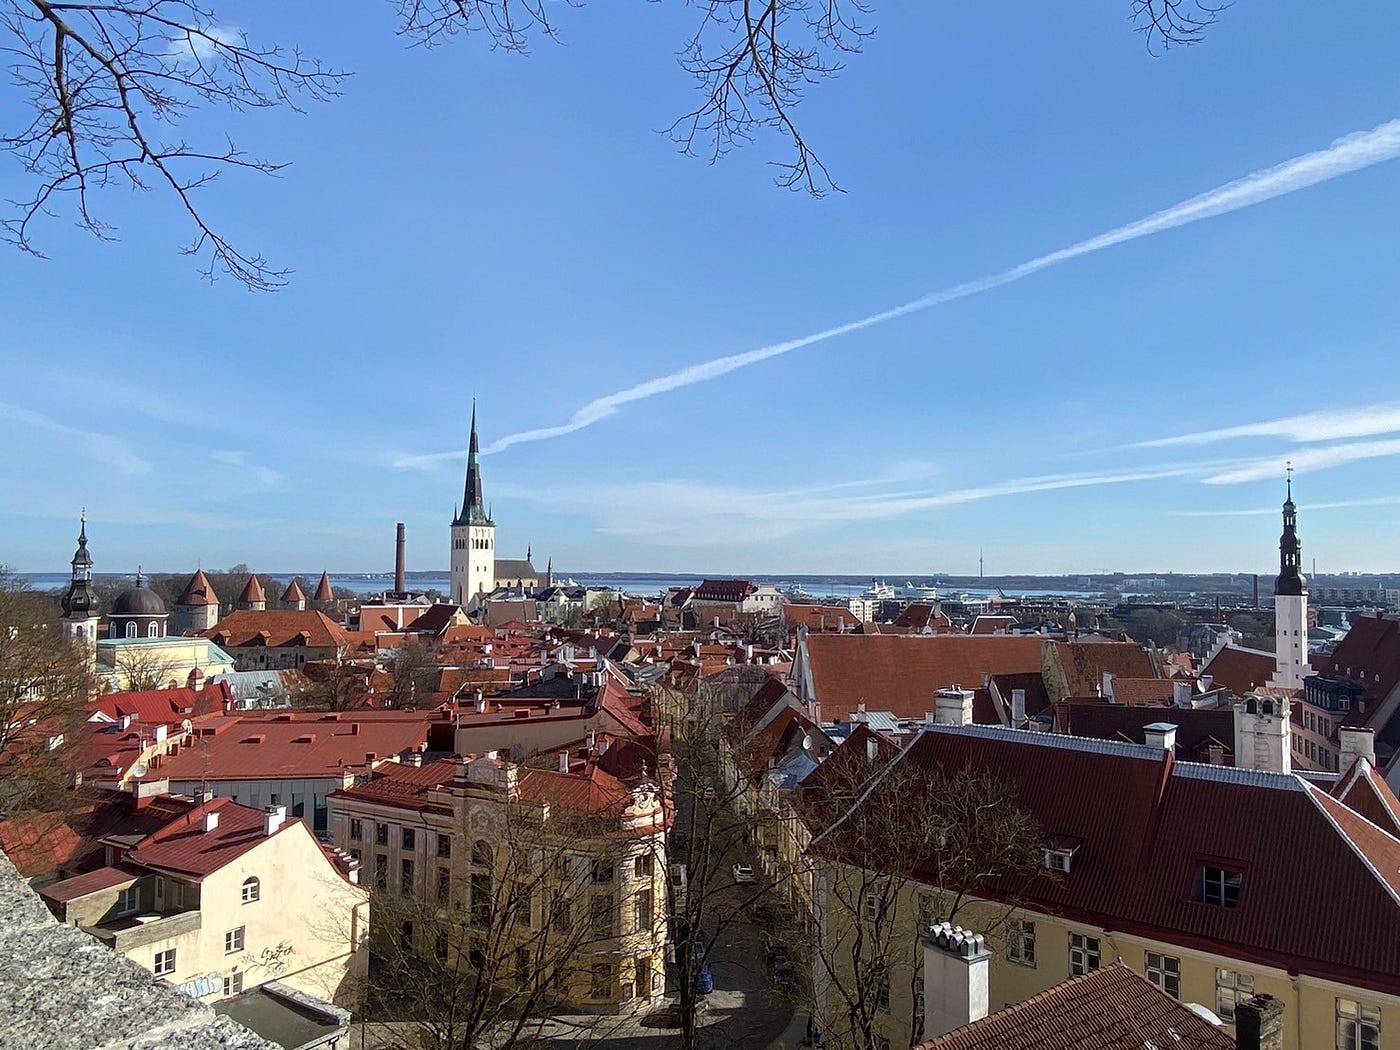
<point>1259,1024</point>
<point>400,569</point>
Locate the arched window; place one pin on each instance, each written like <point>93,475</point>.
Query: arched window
<point>482,853</point>
<point>151,629</point>
<point>252,889</point>
<point>131,628</point>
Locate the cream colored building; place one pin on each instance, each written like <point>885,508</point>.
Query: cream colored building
<point>126,663</point>
<point>451,836</point>
<point>224,899</point>
<point>1214,883</point>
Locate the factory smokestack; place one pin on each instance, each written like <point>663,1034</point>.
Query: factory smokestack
<point>1256,590</point>
<point>400,583</point>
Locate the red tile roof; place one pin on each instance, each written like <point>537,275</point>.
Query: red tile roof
<point>160,706</point>
<point>1365,791</point>
<point>294,593</point>
<point>297,745</point>
<point>1369,655</point>
<point>323,589</point>
<point>1240,670</point>
<point>1110,1009</point>
<point>1196,730</point>
<point>819,618</point>
<point>252,592</point>
<point>89,882</point>
<point>278,627</point>
<point>924,616</point>
<point>199,591</point>
<point>183,847</point>
<point>992,624</point>
<point>1321,884</point>
<point>902,674</point>
<point>1085,662</point>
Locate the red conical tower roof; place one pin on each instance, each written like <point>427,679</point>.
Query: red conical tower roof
<point>199,591</point>
<point>293,593</point>
<point>323,589</point>
<point>253,592</point>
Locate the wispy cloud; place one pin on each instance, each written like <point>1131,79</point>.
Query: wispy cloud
<point>1305,461</point>
<point>1345,155</point>
<point>1365,421</point>
<point>253,473</point>
<point>201,44</point>
<point>100,448</point>
<point>1272,512</point>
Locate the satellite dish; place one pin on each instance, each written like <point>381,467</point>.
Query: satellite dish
<point>1205,1014</point>
<point>138,770</point>
<point>806,742</point>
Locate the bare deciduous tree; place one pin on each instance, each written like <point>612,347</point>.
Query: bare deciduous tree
<point>44,687</point>
<point>914,851</point>
<point>108,86</point>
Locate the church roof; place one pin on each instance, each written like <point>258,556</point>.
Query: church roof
<point>473,508</point>
<point>252,591</point>
<point>515,569</point>
<point>138,601</point>
<point>199,591</point>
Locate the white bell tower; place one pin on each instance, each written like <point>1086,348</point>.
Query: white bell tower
<point>1290,604</point>
<point>473,573</point>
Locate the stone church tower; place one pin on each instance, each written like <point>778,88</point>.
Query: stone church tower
<point>79,603</point>
<point>473,537</point>
<point>1290,605</point>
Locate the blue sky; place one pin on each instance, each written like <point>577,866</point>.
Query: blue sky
<point>463,222</point>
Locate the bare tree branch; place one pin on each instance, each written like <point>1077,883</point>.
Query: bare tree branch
<point>1170,22</point>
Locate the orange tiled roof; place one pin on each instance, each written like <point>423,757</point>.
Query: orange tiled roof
<point>282,627</point>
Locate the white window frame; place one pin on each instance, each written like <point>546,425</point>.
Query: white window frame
<point>235,939</point>
<point>164,962</point>
<point>129,900</point>
<point>1358,1025</point>
<point>1164,971</point>
<point>1020,943</point>
<point>1085,954</point>
<point>1216,884</point>
<point>1231,988</point>
<point>233,984</point>
<point>252,889</point>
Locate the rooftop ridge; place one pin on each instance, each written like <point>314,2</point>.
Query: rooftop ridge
<point>1234,775</point>
<point>1063,741</point>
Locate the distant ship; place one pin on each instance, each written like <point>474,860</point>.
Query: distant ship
<point>879,591</point>
<point>914,590</point>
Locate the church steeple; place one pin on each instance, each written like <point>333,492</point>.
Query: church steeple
<point>473,510</point>
<point>1290,549</point>
<point>78,601</point>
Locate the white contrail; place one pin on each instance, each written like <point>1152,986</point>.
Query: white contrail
<point>1352,153</point>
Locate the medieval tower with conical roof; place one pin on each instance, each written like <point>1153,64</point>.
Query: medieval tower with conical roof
<point>473,537</point>
<point>1290,604</point>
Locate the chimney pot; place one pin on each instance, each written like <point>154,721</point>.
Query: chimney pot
<point>211,820</point>
<point>1259,1024</point>
<point>1160,734</point>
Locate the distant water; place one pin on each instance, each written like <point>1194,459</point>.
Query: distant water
<point>641,585</point>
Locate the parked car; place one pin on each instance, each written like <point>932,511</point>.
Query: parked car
<point>744,873</point>
<point>762,913</point>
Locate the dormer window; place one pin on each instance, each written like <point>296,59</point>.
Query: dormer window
<point>1218,886</point>
<point>1059,853</point>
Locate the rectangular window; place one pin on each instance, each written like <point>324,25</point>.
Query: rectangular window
<point>298,805</point>
<point>642,867</point>
<point>444,844</point>
<point>233,940</point>
<point>357,830</point>
<point>165,962</point>
<point>381,834</point>
<point>444,885</point>
<point>642,909</point>
<point>928,914</point>
<point>641,971</point>
<point>129,900</point>
<point>601,915</point>
<point>481,899</point>
<point>521,973</point>
<point>1164,972</point>
<point>870,909</point>
<point>882,990</point>
<point>524,909</point>
<point>440,947</point>
<point>407,834</point>
<point>381,871</point>
<point>602,869</point>
<point>1084,954</point>
<point>233,984</point>
<point>320,814</point>
<point>1358,1026</point>
<point>1231,989</point>
<point>1020,942</point>
<point>600,983</point>
<point>406,878</point>
<point>1219,886</point>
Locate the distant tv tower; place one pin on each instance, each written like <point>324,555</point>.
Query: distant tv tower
<point>979,563</point>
